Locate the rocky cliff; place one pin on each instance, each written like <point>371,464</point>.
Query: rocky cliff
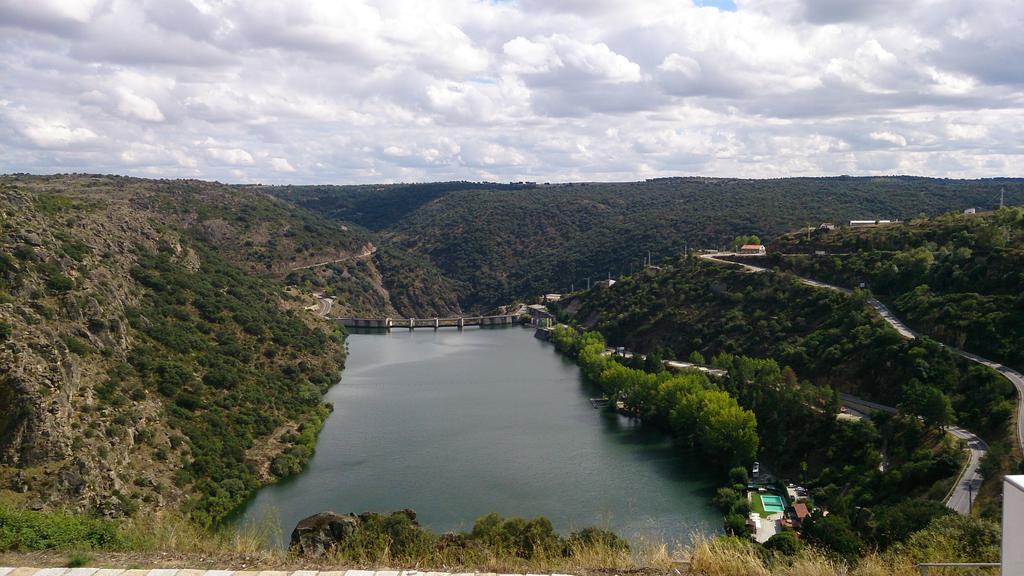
<point>150,355</point>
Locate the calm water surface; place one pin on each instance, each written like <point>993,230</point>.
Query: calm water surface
<point>459,424</point>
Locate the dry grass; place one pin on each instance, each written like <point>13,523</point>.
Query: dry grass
<point>717,557</point>
<point>725,558</point>
<point>171,540</point>
<point>173,533</point>
<point>644,556</point>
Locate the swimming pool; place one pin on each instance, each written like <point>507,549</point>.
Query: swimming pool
<point>772,503</point>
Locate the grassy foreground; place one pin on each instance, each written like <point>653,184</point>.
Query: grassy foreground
<point>494,545</point>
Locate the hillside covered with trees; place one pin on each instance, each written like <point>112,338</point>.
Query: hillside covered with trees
<point>788,348</point>
<point>152,353</point>
<point>503,242</point>
<point>957,277</point>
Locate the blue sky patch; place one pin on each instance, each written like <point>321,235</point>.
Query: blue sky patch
<point>723,5</point>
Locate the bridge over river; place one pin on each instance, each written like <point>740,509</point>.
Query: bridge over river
<point>435,323</point>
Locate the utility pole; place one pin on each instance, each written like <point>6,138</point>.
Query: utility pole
<point>588,283</point>
<point>970,497</point>
<point>648,257</point>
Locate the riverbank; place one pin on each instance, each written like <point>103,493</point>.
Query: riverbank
<point>498,422</point>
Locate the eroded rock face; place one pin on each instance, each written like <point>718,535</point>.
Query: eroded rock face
<point>316,535</point>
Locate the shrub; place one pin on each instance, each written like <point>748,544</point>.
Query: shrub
<point>785,543</point>
<point>171,377</point>
<point>79,559</point>
<point>393,537</point>
<point>726,499</point>
<point>834,534</point>
<point>738,475</point>
<point>535,538</point>
<point>954,538</point>
<point>736,525</point>
<point>595,538</point>
<point>60,283</point>
<point>77,345</point>
<point>23,530</point>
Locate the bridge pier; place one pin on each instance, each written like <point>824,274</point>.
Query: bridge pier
<point>437,322</point>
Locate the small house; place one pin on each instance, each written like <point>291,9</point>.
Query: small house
<point>827,226</point>
<point>756,249</point>
<point>801,512</point>
<point>971,211</point>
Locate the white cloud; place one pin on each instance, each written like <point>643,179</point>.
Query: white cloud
<point>281,165</point>
<point>388,90</point>
<point>139,107</point>
<point>51,132</point>
<point>563,55</point>
<point>231,156</point>
<point>890,137</point>
<point>684,65</point>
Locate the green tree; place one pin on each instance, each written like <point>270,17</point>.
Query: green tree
<point>929,403</point>
<point>834,533</point>
<point>726,430</point>
<point>725,499</point>
<point>785,543</point>
<point>955,538</point>
<point>739,475</point>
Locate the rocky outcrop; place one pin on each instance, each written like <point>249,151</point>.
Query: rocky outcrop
<point>316,535</point>
<point>84,424</point>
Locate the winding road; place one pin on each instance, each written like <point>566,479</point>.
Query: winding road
<point>325,306</point>
<point>366,253</point>
<point>970,478</point>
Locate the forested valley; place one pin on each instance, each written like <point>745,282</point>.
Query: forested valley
<point>789,349</point>
<point>502,242</point>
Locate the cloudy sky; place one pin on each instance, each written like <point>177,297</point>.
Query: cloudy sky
<point>340,91</point>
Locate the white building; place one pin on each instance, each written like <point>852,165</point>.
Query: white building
<point>1013,525</point>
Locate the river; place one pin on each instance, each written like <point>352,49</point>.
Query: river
<point>457,424</point>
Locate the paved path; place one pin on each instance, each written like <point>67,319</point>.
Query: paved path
<point>1016,378</point>
<point>967,484</point>
<point>325,306</point>
<point>6,571</point>
<point>970,477</point>
<point>364,254</point>
<point>1013,376</point>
